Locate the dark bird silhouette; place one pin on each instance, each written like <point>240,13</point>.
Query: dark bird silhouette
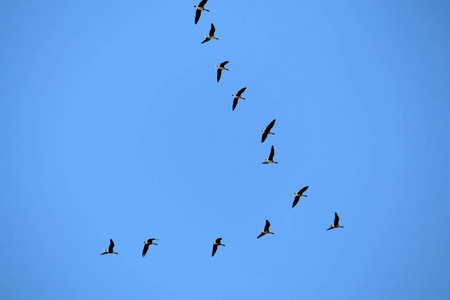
<point>298,195</point>
<point>267,131</point>
<point>220,68</point>
<point>110,250</point>
<point>270,159</point>
<point>266,230</point>
<point>336,222</point>
<point>237,97</point>
<point>199,9</point>
<point>148,243</point>
<point>210,36</point>
<point>215,244</point>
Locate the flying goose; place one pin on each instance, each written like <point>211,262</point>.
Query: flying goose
<point>220,68</point>
<point>110,249</point>
<point>336,222</point>
<point>267,131</point>
<point>266,230</point>
<point>237,97</point>
<point>298,195</point>
<point>215,244</point>
<point>199,9</point>
<point>270,159</point>
<point>211,34</point>
<point>148,243</point>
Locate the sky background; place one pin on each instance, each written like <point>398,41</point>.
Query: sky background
<point>112,125</point>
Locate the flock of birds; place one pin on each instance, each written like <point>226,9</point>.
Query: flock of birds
<point>265,132</point>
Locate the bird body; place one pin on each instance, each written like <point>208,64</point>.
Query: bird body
<point>298,195</point>
<point>216,243</point>
<point>237,96</point>
<point>199,9</point>
<point>265,230</point>
<point>210,36</point>
<point>270,159</point>
<point>110,249</point>
<point>336,222</point>
<point>267,131</point>
<point>147,243</point>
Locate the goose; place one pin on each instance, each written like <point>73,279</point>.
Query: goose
<point>237,97</point>
<point>266,230</point>
<point>270,159</point>
<point>211,34</point>
<point>336,222</point>
<point>267,131</point>
<point>220,68</point>
<point>110,249</point>
<point>148,243</point>
<point>215,244</point>
<point>199,9</point>
<point>298,195</point>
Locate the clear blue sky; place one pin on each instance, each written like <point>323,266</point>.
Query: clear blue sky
<point>112,125</point>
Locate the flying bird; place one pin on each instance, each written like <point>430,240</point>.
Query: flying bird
<point>237,97</point>
<point>199,9</point>
<point>336,222</point>
<point>210,36</point>
<point>270,159</point>
<point>215,244</point>
<point>148,243</point>
<point>267,131</point>
<point>220,68</point>
<point>298,195</point>
<point>266,230</point>
<point>110,250</point>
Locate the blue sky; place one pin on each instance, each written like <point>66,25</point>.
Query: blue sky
<point>113,126</point>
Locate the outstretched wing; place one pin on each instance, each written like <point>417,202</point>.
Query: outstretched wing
<point>235,102</point>
<point>207,39</point>
<point>214,249</point>
<point>211,32</point>
<point>266,228</point>
<point>272,153</point>
<point>218,240</point>
<point>198,13</point>
<point>336,219</point>
<point>295,201</point>
<point>219,73</point>
<point>202,3</point>
<point>264,136</point>
<point>269,127</point>
<point>240,92</point>
<point>111,246</point>
<point>303,190</point>
<point>224,63</point>
<point>262,233</point>
<point>144,251</point>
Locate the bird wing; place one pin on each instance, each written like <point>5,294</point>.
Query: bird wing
<point>303,190</point>
<point>262,233</point>
<point>272,153</point>
<point>224,63</point>
<point>240,92</point>
<point>235,102</point>
<point>295,201</point>
<point>219,73</point>
<point>144,251</point>
<point>218,240</point>
<point>111,245</point>
<point>214,249</point>
<point>202,3</point>
<point>264,136</point>
<point>207,39</point>
<point>336,219</point>
<point>198,13</point>
<point>269,127</point>
<point>104,253</point>
<point>211,32</point>
<point>266,228</point>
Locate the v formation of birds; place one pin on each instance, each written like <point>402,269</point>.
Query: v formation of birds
<point>236,97</point>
